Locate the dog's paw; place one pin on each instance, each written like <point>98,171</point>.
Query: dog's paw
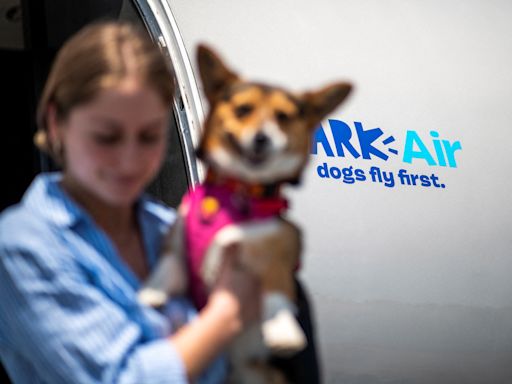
<point>152,297</point>
<point>283,334</point>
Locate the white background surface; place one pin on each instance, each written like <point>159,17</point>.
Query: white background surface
<point>409,284</point>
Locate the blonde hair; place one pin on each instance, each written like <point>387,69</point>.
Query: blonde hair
<point>99,56</point>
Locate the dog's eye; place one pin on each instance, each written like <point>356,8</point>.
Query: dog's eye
<point>282,117</point>
<point>243,110</point>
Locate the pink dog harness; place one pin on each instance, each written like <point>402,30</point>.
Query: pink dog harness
<point>210,208</point>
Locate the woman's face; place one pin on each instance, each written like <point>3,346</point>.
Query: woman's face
<point>114,145</point>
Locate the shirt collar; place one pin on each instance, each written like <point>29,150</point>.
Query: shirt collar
<point>46,198</point>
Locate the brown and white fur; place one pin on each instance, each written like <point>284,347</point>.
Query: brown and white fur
<point>258,135</point>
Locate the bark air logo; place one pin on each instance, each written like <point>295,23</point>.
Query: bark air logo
<point>339,141</point>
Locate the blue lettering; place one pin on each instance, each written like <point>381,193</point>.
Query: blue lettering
<point>409,153</point>
<point>360,176</point>
<point>443,152</point>
<point>342,134</point>
<point>335,172</point>
<point>320,138</point>
<point>439,151</point>
<point>366,138</point>
<point>425,181</point>
<point>450,150</point>
<point>323,171</point>
<point>347,175</point>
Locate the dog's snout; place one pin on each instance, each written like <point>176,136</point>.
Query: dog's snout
<point>260,142</point>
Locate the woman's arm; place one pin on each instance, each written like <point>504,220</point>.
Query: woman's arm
<point>71,332</point>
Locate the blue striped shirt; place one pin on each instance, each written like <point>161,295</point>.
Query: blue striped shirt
<point>68,306</point>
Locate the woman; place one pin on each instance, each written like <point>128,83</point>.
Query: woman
<point>74,252</point>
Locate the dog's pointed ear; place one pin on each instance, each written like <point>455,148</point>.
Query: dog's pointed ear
<point>318,104</point>
<point>215,75</point>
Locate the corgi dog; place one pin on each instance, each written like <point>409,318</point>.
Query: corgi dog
<point>256,138</point>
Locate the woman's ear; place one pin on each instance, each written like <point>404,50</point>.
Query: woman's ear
<point>54,130</point>
<point>51,121</point>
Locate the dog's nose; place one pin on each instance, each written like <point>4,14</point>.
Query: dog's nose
<point>260,142</point>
